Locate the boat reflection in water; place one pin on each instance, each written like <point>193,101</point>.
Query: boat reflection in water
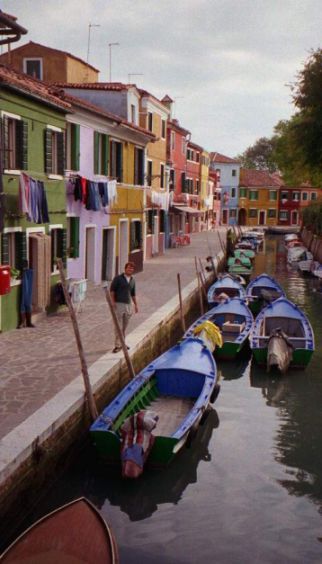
<point>141,499</point>
<point>298,435</point>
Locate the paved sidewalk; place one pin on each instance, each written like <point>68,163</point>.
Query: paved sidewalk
<point>38,363</point>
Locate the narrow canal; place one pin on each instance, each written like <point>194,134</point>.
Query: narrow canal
<point>250,487</point>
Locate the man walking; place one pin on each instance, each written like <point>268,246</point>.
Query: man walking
<point>123,294</point>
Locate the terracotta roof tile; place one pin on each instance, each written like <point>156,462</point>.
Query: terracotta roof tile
<point>30,86</point>
<point>257,178</point>
<point>219,158</point>
<point>116,86</point>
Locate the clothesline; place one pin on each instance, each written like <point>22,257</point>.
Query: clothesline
<point>96,195</point>
<point>32,199</point>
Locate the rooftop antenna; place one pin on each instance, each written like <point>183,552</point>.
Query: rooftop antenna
<point>129,76</point>
<point>90,25</point>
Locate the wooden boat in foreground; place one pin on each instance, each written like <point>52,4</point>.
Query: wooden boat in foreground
<point>261,291</point>
<point>225,285</point>
<point>73,533</point>
<point>234,320</point>
<point>288,318</point>
<point>178,386</point>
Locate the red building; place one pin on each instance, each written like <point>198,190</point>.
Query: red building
<point>292,200</point>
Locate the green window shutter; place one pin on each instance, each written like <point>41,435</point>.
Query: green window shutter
<point>75,145</point>
<point>132,235</point>
<point>61,153</point>
<point>48,151</point>
<point>74,236</point>
<point>119,162</point>
<point>21,249</point>
<point>4,248</point>
<point>21,145</point>
<point>96,152</point>
<point>105,154</point>
<point>5,135</point>
<point>62,245</point>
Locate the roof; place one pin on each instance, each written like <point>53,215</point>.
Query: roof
<point>166,99</point>
<point>50,49</point>
<point>30,86</point>
<point>174,124</point>
<point>257,178</point>
<point>219,158</point>
<point>115,86</point>
<point>195,146</point>
<point>146,94</point>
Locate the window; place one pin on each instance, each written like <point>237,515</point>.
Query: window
<point>283,215</point>
<point>13,249</point>
<point>149,173</point>
<point>101,153</point>
<point>33,67</point>
<point>173,140</point>
<point>243,192</point>
<point>183,182</point>
<point>162,176</point>
<point>296,196</point>
<point>54,151</point>
<point>271,213</point>
<point>189,185</point>
<point>150,221</point>
<point>162,221</point>
<point>189,155</point>
<point>252,212</point>
<point>72,143</point>
<point>133,113</point>
<point>172,181</point>
<point>136,235</point>
<point>139,166</point>
<point>284,195</point>
<point>58,242</point>
<point>116,160</point>
<point>304,196</point>
<point>150,121</point>
<point>163,129</point>
<point>272,195</point>
<point>197,186</point>
<point>253,194</point>
<point>73,237</point>
<point>197,157</point>
<point>234,172</point>
<point>15,137</point>
<point>313,196</point>
<point>233,213</point>
<point>233,192</point>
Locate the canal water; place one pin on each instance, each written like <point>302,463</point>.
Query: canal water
<point>249,490</point>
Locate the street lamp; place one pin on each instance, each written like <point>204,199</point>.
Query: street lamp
<point>110,45</point>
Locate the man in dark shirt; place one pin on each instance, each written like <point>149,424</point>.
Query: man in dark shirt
<point>123,294</point>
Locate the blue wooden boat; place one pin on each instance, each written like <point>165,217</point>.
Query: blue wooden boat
<point>261,291</point>
<point>288,319</point>
<point>234,320</point>
<point>225,285</point>
<point>178,386</point>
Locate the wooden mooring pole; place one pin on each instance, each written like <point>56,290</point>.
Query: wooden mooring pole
<point>120,334</point>
<point>88,389</point>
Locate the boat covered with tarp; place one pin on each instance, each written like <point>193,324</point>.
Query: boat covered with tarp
<point>176,388</point>
<point>226,286</point>
<point>233,320</point>
<point>292,324</point>
<point>261,291</point>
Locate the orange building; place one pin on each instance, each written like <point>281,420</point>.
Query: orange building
<point>258,198</point>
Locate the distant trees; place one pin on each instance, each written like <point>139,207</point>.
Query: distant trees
<point>260,155</point>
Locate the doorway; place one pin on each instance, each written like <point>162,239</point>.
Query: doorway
<point>262,217</point>
<point>225,217</point>
<point>123,243</point>
<point>90,254</point>
<point>108,253</point>
<point>242,216</point>
<point>294,217</point>
<point>155,237</point>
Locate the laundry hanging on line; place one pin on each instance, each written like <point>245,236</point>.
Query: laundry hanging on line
<point>95,195</point>
<point>32,199</point>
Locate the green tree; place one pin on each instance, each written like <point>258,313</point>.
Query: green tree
<point>260,155</point>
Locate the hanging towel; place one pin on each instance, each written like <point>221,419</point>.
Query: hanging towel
<point>26,290</point>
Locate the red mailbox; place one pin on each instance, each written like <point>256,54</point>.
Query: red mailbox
<point>4,279</point>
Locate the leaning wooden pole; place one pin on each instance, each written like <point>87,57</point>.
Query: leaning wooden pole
<point>200,280</point>
<point>202,309</point>
<point>221,243</point>
<point>183,324</point>
<point>88,389</point>
<point>204,281</point>
<point>120,334</point>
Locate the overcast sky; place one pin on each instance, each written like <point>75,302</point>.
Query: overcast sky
<point>226,63</point>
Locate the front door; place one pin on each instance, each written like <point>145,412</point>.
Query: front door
<point>108,236</point>
<point>225,217</point>
<point>123,244</point>
<point>262,217</point>
<point>294,217</point>
<point>90,254</point>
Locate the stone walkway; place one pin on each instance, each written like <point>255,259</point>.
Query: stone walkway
<point>38,363</point>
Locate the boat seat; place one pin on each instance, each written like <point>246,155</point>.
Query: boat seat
<point>291,327</point>
<point>231,292</point>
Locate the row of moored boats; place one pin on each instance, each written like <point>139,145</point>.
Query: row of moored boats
<point>300,257</point>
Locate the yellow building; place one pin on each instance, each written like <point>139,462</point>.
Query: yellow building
<point>258,198</point>
<point>153,117</point>
<point>206,201</point>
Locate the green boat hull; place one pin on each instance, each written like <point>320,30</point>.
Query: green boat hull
<point>228,351</point>
<point>300,359</point>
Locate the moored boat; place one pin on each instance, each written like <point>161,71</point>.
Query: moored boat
<point>75,532</point>
<point>296,254</point>
<point>249,253</point>
<point>261,291</point>
<point>291,237</point>
<point>225,286</point>
<point>234,319</point>
<point>288,318</point>
<point>178,386</point>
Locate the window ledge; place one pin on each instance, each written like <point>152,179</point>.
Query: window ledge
<point>9,171</point>
<point>14,282</point>
<point>55,177</point>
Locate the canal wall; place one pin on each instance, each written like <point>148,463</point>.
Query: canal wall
<point>313,243</point>
<point>36,452</point>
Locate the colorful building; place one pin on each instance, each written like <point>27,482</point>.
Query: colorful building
<point>206,194</point>
<point>258,198</point>
<point>228,170</point>
<point>34,200</point>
